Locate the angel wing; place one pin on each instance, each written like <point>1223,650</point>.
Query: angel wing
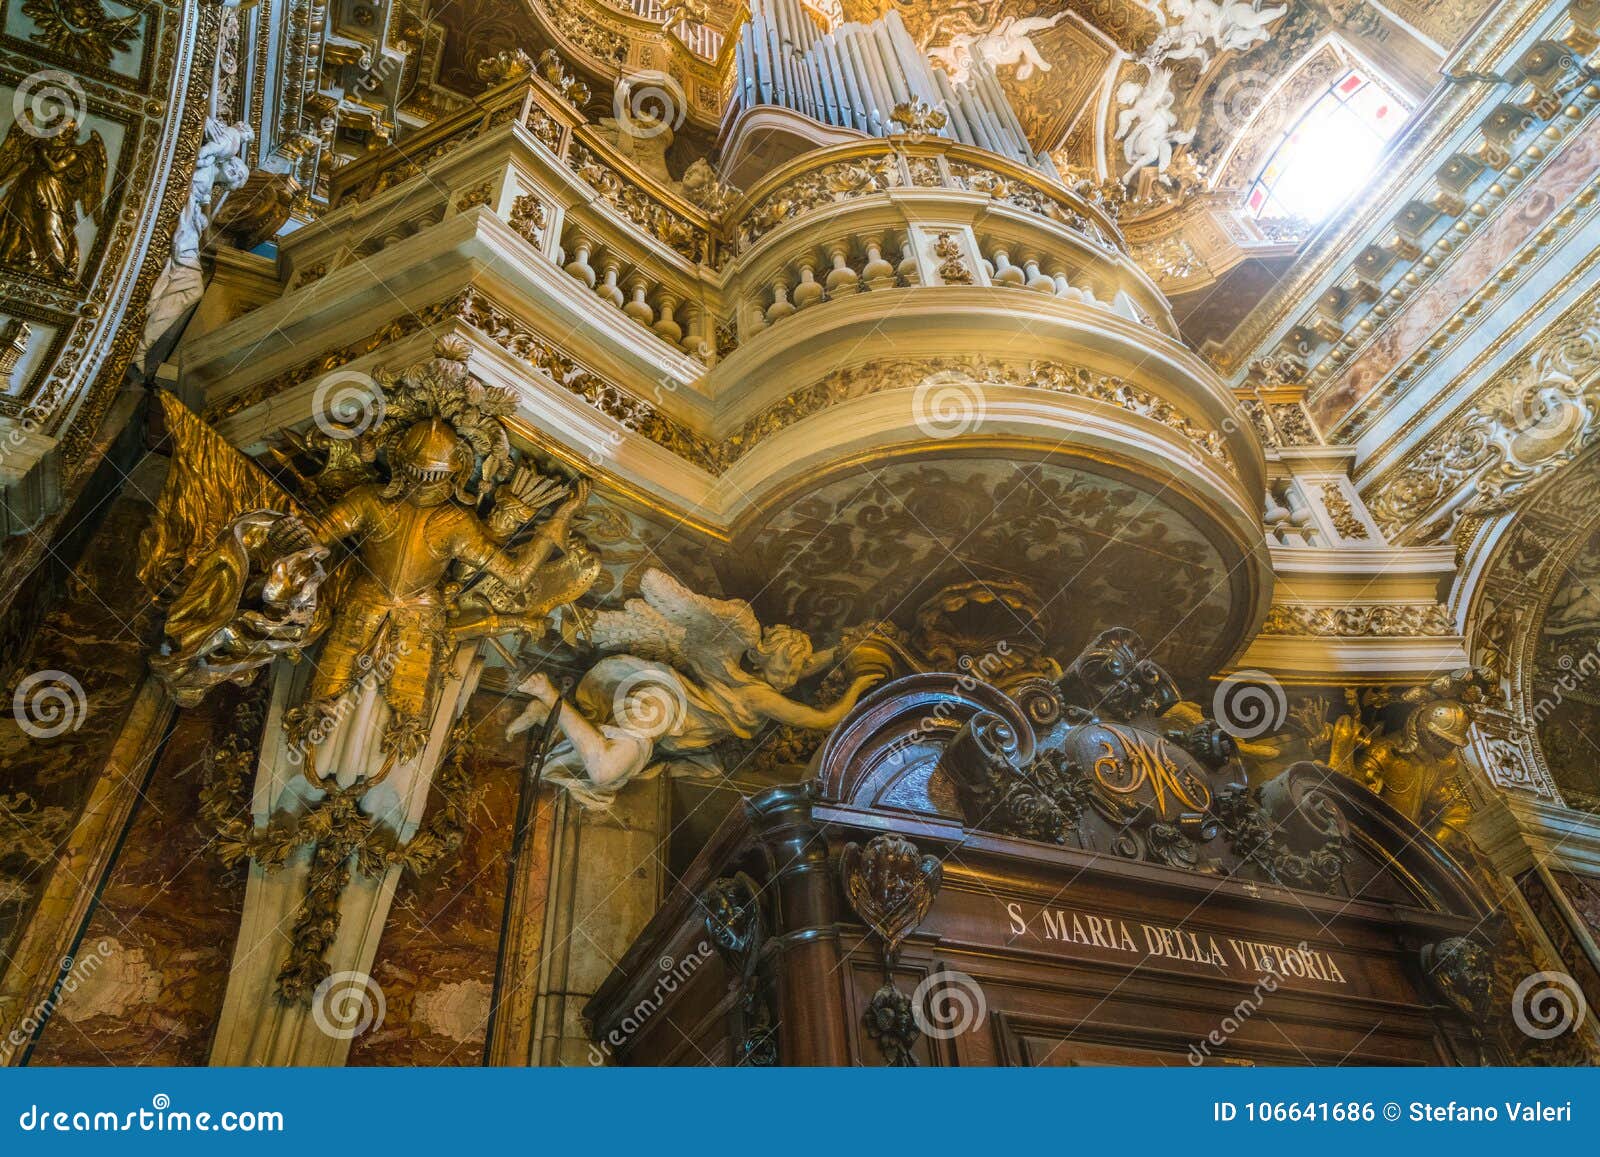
<point>209,484</point>
<point>13,152</point>
<point>674,625</point>
<point>637,629</point>
<point>87,177</point>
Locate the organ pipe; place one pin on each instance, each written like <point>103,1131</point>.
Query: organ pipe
<point>854,76</point>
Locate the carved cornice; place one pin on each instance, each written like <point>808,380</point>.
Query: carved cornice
<point>1417,620</point>
<point>1462,194</point>
<point>1046,375</point>
<point>716,456</point>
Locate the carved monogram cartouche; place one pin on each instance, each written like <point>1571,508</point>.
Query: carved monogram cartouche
<point>1111,773</point>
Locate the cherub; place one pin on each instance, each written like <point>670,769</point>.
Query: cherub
<point>1147,126</point>
<point>1229,25</point>
<point>685,672</point>
<point>1009,43</point>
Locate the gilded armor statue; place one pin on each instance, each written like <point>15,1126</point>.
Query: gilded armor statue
<point>414,566</point>
<point>1416,770</point>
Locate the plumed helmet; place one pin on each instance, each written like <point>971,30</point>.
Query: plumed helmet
<point>429,451</point>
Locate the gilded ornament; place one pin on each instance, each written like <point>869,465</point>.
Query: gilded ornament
<point>1343,514</point>
<point>427,568</point>
<point>1378,621</point>
<point>529,218</point>
<point>917,118</point>
<point>81,29</point>
<point>507,64</point>
<point>952,262</point>
<point>1418,770</point>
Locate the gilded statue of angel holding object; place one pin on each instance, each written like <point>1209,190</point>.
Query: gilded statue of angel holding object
<point>47,174</point>
<point>682,672</point>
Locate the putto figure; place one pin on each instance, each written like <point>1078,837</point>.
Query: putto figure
<point>685,672</point>
<point>47,176</point>
<point>1009,44</point>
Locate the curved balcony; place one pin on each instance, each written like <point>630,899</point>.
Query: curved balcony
<point>963,316</point>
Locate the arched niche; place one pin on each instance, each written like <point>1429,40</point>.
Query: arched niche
<point>1530,585</point>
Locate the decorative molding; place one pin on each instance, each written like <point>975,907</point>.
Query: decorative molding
<point>1533,418</point>
<point>1353,622</point>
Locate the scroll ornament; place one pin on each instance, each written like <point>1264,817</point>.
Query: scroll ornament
<point>1116,749</point>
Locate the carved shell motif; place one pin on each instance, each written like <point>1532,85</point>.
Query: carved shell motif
<point>891,886</point>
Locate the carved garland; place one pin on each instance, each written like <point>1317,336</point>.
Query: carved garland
<point>1411,620</point>
<point>344,839</point>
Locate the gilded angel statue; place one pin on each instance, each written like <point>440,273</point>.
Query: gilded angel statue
<point>413,567</point>
<point>684,672</point>
<point>47,175</point>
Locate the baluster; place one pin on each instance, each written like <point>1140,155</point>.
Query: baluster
<point>607,289</point>
<point>841,277</point>
<point>667,326</point>
<point>638,308</point>
<point>781,306</point>
<point>1006,273</point>
<point>879,274</point>
<point>907,269</point>
<point>808,292</point>
<point>579,266</point>
<point>1037,281</point>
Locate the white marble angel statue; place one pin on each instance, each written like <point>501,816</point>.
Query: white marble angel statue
<point>1225,26</point>
<point>685,672</point>
<point>1147,126</point>
<point>1009,43</point>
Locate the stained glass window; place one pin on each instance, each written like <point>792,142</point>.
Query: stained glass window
<point>1329,152</point>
